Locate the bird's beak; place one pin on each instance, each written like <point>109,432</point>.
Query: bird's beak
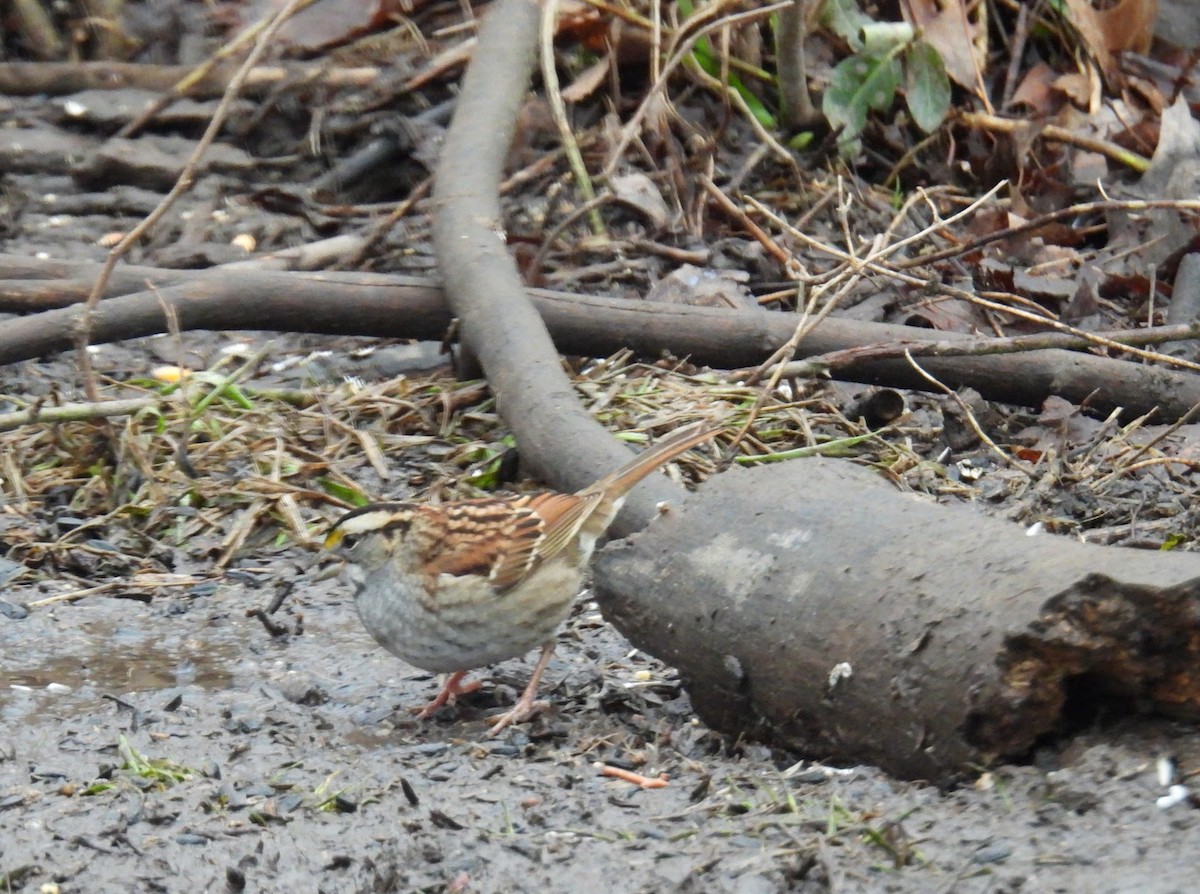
<point>328,570</point>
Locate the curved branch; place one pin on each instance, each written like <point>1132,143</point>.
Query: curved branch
<point>408,307</point>
<point>499,325</point>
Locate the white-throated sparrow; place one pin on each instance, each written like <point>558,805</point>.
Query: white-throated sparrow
<point>453,586</point>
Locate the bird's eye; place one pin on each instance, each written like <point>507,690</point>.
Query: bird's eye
<point>349,540</point>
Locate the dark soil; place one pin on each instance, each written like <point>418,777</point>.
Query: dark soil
<point>301,770</point>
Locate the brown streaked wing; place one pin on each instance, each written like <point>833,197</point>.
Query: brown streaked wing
<point>564,515</point>
<point>493,538</point>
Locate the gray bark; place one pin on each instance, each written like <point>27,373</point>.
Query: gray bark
<point>810,605</point>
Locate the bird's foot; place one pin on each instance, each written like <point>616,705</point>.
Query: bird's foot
<point>451,690</point>
<point>522,712</point>
<point>527,706</point>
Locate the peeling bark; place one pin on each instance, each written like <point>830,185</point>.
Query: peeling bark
<point>858,624</point>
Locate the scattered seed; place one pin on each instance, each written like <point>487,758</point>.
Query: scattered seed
<point>409,793</point>
<point>443,821</point>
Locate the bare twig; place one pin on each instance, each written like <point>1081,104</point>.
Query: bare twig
<point>75,412</point>
<point>1041,220</point>
<point>141,582</point>
<point>1117,153</point>
<point>683,49</point>
<point>186,177</point>
<point>970,417</point>
<point>558,111</point>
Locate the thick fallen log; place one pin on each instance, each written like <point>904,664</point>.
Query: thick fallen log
<point>854,623</point>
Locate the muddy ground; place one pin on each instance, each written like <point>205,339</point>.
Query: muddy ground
<point>168,740</point>
<point>301,771</point>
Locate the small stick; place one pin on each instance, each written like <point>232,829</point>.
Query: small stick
<point>638,779</point>
<point>970,417</point>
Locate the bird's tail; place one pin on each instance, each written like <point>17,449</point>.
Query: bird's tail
<point>623,479</point>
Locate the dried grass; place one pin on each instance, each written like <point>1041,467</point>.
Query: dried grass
<point>261,467</point>
<point>255,465</point>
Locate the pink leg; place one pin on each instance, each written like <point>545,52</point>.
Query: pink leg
<point>526,707</point>
<point>451,689</point>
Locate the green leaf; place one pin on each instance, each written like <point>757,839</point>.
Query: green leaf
<point>846,20</point>
<point>926,86</point>
<point>801,140</point>
<point>859,84</point>
<point>1172,541</point>
<point>342,492</point>
<point>711,65</point>
<point>235,394</point>
<point>487,476</point>
<point>760,112</point>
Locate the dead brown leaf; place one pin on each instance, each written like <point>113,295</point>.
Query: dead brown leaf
<point>957,29</point>
<point>1036,90</point>
<point>1129,25</point>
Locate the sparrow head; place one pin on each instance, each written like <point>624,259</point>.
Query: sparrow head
<point>365,537</point>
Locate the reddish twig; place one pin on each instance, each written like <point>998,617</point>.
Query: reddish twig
<point>659,781</point>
